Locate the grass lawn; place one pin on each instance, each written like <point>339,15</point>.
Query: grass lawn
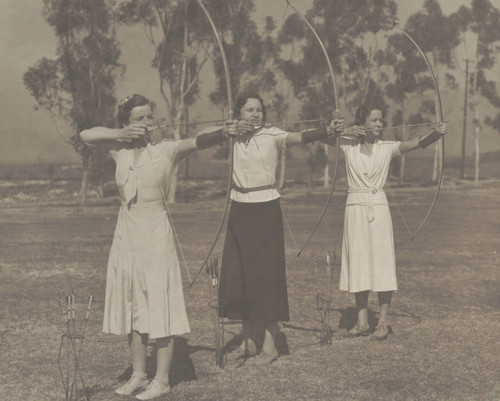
<point>445,316</point>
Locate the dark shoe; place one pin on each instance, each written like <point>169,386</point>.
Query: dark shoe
<point>381,332</point>
<point>264,358</point>
<point>358,330</point>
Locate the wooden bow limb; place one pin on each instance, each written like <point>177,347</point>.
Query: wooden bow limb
<point>213,275</point>
<point>231,142</point>
<point>440,119</point>
<point>336,115</point>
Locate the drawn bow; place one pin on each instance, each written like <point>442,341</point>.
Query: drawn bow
<point>439,116</point>
<point>335,115</point>
<point>212,268</point>
<point>231,141</point>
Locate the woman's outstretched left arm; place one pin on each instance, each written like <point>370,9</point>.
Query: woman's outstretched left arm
<point>206,139</point>
<point>323,134</point>
<point>421,142</point>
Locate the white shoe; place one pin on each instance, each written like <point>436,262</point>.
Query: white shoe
<point>134,384</point>
<point>243,351</point>
<point>155,389</point>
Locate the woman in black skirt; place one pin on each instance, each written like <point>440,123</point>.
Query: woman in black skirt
<point>253,279</point>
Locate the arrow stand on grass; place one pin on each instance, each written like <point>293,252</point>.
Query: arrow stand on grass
<point>213,275</point>
<point>70,351</point>
<point>324,301</point>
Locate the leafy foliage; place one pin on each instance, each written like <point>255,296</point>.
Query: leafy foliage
<point>177,32</point>
<point>344,28</point>
<point>78,85</point>
<point>482,18</point>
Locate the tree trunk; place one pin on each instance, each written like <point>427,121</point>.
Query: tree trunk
<point>186,135</point>
<point>401,176</point>
<point>100,180</point>
<point>326,175</point>
<point>100,187</point>
<point>186,168</point>
<point>85,181</point>
<point>476,143</point>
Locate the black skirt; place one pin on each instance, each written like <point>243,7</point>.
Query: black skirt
<point>253,277</point>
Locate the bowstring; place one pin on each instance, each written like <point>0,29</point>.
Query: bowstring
<point>269,179</point>
<point>164,195</point>
<point>173,171</point>
<point>389,191</point>
<point>267,173</point>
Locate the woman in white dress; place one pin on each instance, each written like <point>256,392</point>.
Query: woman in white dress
<point>368,259</point>
<point>144,296</point>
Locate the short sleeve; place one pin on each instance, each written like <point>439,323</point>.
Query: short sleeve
<point>279,137</point>
<point>167,149</point>
<point>395,152</point>
<point>347,143</point>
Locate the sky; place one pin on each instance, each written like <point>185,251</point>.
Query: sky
<point>28,135</point>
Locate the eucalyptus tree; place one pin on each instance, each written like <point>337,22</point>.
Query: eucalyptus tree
<point>482,20</point>
<point>78,85</point>
<point>177,33</point>
<point>349,31</point>
<point>437,35</point>
<point>271,82</point>
<point>253,55</point>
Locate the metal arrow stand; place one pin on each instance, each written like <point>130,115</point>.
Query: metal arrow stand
<point>324,302</point>
<point>213,274</point>
<point>70,351</point>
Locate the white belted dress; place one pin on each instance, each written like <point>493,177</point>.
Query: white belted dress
<point>144,285</point>
<point>368,259</point>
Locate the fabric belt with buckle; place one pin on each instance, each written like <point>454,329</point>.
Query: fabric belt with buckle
<point>253,189</point>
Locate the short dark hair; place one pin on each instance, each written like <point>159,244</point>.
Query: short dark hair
<point>127,104</point>
<point>241,101</point>
<point>364,111</point>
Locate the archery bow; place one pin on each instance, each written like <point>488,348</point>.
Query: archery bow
<point>439,116</point>
<point>213,275</point>
<point>230,140</point>
<point>336,115</point>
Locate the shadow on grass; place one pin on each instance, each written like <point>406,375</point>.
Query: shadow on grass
<point>89,392</point>
<point>182,369</point>
<point>281,341</point>
<point>349,318</point>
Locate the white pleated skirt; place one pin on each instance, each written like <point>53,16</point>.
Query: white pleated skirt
<point>144,284</point>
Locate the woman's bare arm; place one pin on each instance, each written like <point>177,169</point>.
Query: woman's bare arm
<point>420,142</point>
<point>97,136</point>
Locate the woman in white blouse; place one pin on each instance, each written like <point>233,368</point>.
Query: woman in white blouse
<point>253,283</point>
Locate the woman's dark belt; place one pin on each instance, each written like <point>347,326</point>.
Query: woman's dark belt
<point>253,189</point>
